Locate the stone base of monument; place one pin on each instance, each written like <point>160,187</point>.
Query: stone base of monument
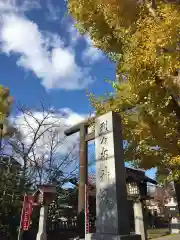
<point>175,226</point>
<point>41,236</point>
<point>101,236</point>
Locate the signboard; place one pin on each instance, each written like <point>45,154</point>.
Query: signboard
<point>26,213</point>
<point>86,210</point>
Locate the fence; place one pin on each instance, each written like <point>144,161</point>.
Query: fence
<point>63,229</point>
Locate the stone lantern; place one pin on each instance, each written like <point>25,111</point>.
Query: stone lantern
<point>43,197</point>
<point>136,184</point>
<point>173,212</point>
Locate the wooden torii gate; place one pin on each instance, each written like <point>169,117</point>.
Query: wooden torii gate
<point>82,128</point>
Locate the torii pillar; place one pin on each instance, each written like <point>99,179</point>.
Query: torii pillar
<point>82,128</point>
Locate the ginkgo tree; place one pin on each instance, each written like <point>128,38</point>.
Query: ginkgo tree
<point>5,100</point>
<point>5,107</point>
<point>142,38</point>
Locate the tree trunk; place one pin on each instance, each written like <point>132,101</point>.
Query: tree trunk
<point>177,190</point>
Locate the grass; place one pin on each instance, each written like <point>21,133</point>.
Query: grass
<point>156,233</point>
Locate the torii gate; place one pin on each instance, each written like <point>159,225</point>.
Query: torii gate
<point>83,161</point>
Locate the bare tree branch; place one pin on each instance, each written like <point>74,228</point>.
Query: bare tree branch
<point>39,143</point>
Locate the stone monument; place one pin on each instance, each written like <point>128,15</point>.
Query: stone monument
<point>112,220</point>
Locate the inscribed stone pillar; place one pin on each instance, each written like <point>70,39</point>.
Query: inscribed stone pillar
<point>140,227</point>
<point>111,195</point>
<point>41,235</point>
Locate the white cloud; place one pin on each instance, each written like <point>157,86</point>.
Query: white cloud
<point>56,67</point>
<point>43,52</point>
<point>51,150</point>
<point>74,35</point>
<point>53,127</point>
<point>18,5</point>
<point>55,122</point>
<point>53,11</point>
<point>91,54</point>
<point>52,40</point>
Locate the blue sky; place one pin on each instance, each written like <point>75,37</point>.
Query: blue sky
<point>43,58</point>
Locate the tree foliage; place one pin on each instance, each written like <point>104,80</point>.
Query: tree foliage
<point>5,107</point>
<point>10,199</point>
<point>5,100</point>
<point>143,40</point>
<point>102,20</point>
